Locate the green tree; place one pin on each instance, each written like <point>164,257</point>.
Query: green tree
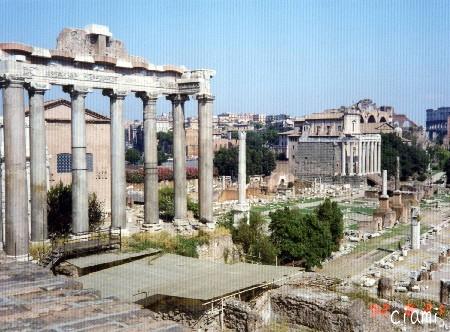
<point>226,161</point>
<point>59,210</point>
<point>133,156</point>
<point>300,238</point>
<point>413,160</point>
<point>167,204</point>
<point>165,142</point>
<point>260,159</point>
<point>330,213</point>
<point>253,240</point>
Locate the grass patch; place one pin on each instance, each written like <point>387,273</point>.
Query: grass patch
<point>39,250</point>
<point>175,244</point>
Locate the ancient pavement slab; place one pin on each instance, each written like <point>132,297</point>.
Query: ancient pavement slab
<point>32,298</point>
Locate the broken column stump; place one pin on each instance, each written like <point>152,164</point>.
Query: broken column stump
<point>385,287</point>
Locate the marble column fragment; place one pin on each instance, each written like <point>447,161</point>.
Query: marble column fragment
<point>38,162</point>
<point>16,194</point>
<point>205,158</point>
<point>118,182</point>
<point>80,216</point>
<point>179,156</point>
<point>151,200</point>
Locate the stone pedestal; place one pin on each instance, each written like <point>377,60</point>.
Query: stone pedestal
<point>415,234</point>
<point>240,212</point>
<point>398,207</point>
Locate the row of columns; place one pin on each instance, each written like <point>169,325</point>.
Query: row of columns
<point>368,154</point>
<point>16,212</point>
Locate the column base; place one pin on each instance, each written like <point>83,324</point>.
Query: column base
<point>151,227</point>
<point>211,225</point>
<point>45,242</point>
<point>19,258</point>
<point>181,222</point>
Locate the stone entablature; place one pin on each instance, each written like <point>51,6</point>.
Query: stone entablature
<point>90,58</point>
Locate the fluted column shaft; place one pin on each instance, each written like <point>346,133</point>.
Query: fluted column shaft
<point>151,201</point>
<point>179,155</point>
<point>80,216</point>
<point>38,162</point>
<point>242,172</point>
<point>205,157</point>
<point>118,182</point>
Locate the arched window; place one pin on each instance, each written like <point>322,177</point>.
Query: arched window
<point>361,119</point>
<point>383,119</point>
<point>371,119</point>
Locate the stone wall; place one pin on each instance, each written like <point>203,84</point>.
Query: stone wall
<point>315,159</point>
<point>220,248</point>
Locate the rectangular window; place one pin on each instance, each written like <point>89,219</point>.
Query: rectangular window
<point>90,162</point>
<point>64,162</point>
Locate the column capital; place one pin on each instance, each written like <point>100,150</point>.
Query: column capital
<point>77,90</point>
<point>177,98</point>
<point>34,87</point>
<point>12,82</point>
<point>147,97</point>
<point>205,98</point>
<point>242,134</point>
<point>116,93</point>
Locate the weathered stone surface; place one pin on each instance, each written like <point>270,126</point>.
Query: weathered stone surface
<point>385,286</point>
<point>31,299</point>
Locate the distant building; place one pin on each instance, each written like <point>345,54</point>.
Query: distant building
<point>336,144</point>
<point>58,137</point>
<point>436,122</point>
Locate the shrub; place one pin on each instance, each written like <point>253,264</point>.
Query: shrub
<point>59,210</point>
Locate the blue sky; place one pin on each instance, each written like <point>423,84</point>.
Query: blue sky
<point>293,57</point>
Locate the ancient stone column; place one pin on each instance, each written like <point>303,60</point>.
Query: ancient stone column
<point>363,158</point>
<point>375,157</point>
<point>16,200</point>
<point>205,157</point>
<point>179,156</point>
<point>80,218</point>
<point>379,157</point>
<point>151,201</point>
<point>372,157</point>
<point>343,172</point>
<point>242,173</point>
<point>415,233</point>
<point>351,164</point>
<point>397,174</point>
<point>384,194</point>
<point>118,182</point>
<point>367,157</point>
<point>38,162</point>
<point>360,158</point>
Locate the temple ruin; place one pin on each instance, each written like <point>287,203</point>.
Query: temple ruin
<point>84,60</point>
